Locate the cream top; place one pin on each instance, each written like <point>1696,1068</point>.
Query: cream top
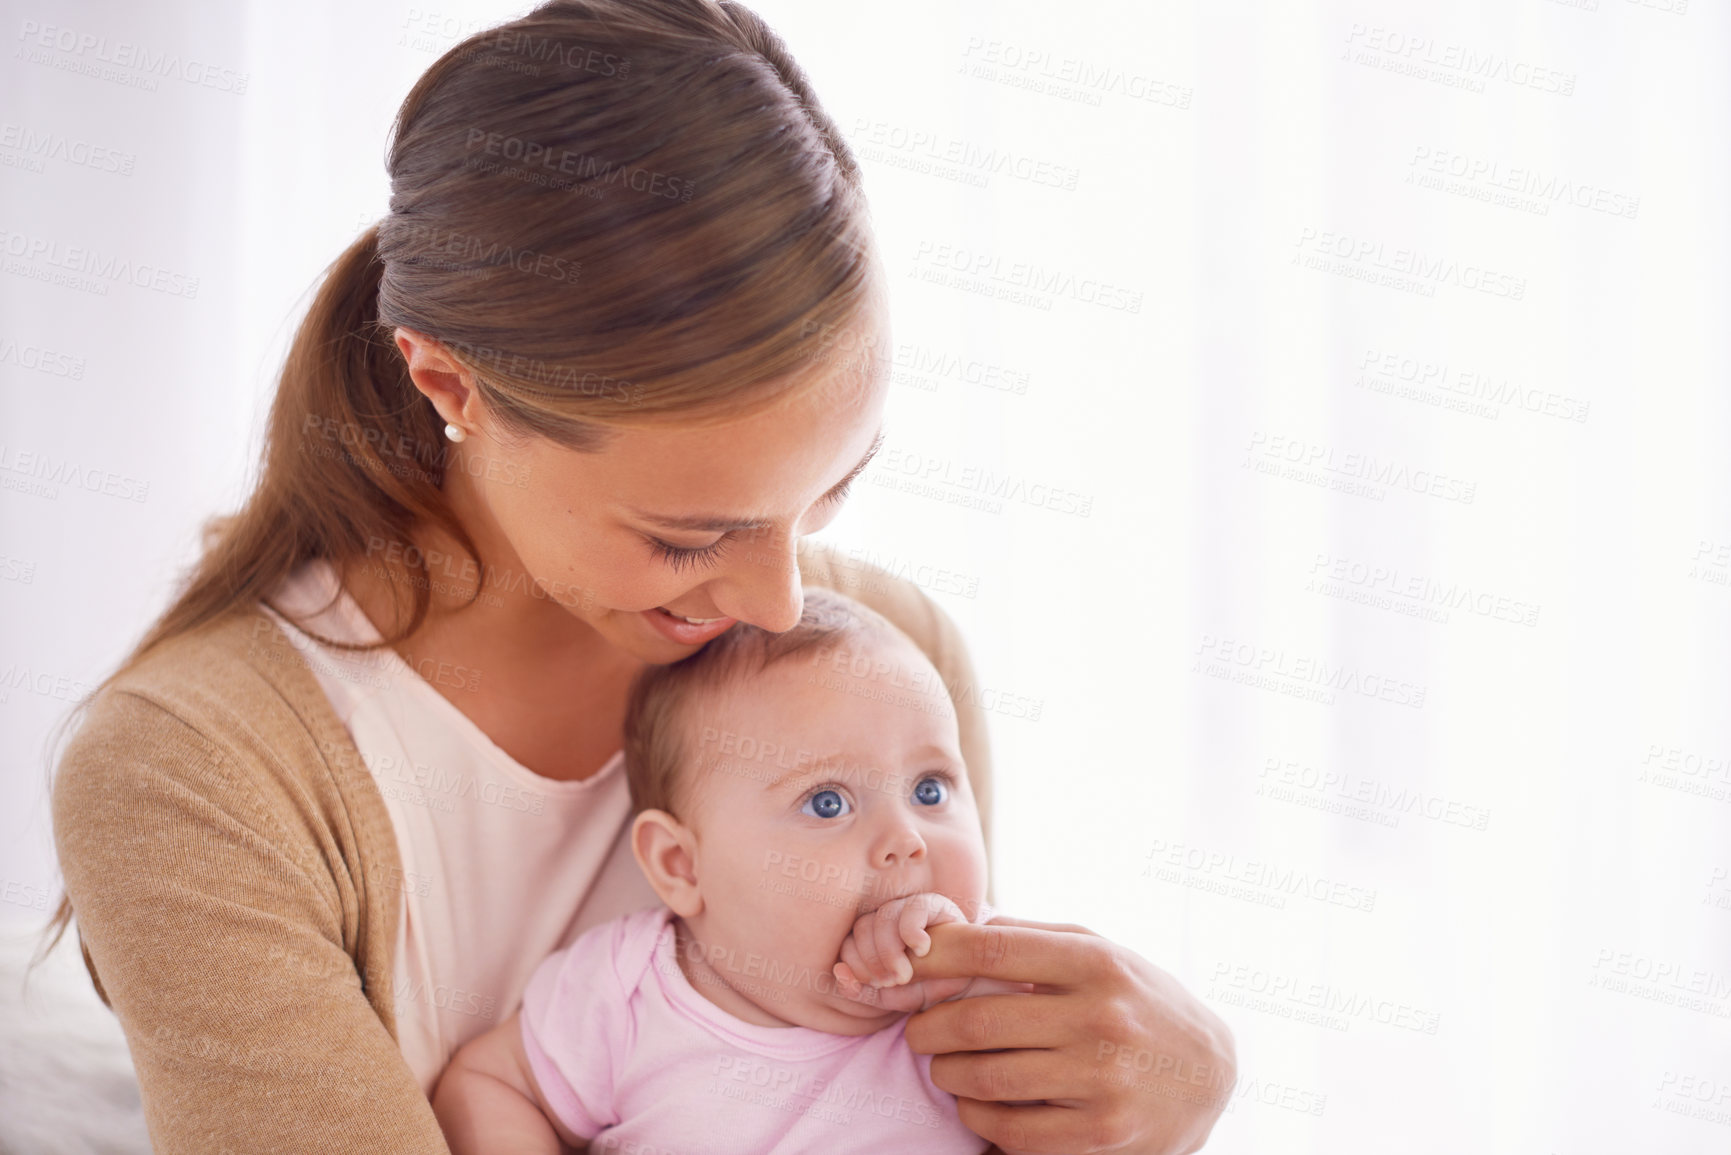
<point>500,866</point>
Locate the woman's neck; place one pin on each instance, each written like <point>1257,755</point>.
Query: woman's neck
<point>539,681</point>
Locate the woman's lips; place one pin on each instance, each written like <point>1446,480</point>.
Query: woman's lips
<point>677,629</point>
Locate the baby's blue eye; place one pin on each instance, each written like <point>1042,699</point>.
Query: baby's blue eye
<point>930,791</point>
<point>827,803</point>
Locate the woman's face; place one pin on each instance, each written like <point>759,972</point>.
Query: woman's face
<point>668,523</point>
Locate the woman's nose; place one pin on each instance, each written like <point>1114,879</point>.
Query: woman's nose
<point>763,586</point>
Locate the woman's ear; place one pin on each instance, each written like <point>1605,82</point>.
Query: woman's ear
<point>439,376</point>
<point>663,847</point>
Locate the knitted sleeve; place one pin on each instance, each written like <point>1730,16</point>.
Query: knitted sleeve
<point>215,924</point>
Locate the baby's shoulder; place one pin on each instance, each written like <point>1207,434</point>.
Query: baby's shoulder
<point>623,946</point>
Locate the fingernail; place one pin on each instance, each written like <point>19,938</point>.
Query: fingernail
<point>924,948</point>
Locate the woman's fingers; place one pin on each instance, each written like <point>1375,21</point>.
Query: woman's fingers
<point>1038,1130</point>
<point>935,991</point>
<point>1069,927</point>
<point>932,910</point>
<point>1139,1063</point>
<point>991,1023</point>
<point>1028,953</point>
<point>1014,1077</point>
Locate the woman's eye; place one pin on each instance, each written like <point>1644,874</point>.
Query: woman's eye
<point>679,557</point>
<point>930,791</point>
<point>825,804</point>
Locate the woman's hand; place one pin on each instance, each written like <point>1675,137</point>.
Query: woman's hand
<point>1108,1052</point>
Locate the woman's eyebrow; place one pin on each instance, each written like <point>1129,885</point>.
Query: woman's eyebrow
<point>712,523</point>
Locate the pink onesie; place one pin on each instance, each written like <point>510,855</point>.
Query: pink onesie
<point>633,1059</point>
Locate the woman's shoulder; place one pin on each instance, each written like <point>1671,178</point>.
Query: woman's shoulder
<point>233,679</point>
<point>229,709</point>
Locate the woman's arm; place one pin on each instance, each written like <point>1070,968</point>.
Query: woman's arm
<point>489,1103</point>
<point>1124,1058</point>
<point>218,929</point>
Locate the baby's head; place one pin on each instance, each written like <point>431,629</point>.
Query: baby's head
<point>785,784</point>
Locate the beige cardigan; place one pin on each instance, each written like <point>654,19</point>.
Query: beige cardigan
<point>234,875</point>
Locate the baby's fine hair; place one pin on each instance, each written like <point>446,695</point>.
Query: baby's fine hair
<point>660,753</point>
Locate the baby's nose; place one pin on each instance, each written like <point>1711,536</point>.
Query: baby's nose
<point>900,845</point>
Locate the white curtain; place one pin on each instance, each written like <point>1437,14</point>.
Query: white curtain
<point>1315,415</point>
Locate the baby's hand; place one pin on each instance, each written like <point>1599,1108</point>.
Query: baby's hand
<point>875,953</point>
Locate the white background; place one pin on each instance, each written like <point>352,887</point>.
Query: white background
<point>1490,855</point>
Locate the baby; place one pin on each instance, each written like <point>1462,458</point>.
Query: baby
<point>803,811</point>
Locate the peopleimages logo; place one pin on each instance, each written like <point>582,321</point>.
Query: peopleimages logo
<point>1298,675</point>
<point>105,267</point>
<point>1349,471</point>
<point>1216,870</point>
<point>1457,65</point>
<point>1522,180</point>
<point>991,270</point>
<point>41,360</point>
<point>46,469</point>
<point>1364,259</point>
<point>41,146</point>
<point>801,1092</point>
<point>1316,1002</point>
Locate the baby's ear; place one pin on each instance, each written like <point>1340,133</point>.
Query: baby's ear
<point>662,845</point>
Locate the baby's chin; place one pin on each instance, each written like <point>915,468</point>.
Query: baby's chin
<point>840,1015</point>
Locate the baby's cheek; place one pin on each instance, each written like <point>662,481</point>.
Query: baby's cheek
<point>961,877</point>
<point>776,919</point>
<point>819,923</point>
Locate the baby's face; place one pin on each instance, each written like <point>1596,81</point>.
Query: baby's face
<point>826,787</point>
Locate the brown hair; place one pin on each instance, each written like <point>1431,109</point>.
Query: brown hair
<point>662,765</point>
<point>615,213</point>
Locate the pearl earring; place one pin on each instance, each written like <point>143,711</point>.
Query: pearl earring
<point>454,433</point>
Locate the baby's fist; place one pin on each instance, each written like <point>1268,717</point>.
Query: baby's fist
<point>875,952</point>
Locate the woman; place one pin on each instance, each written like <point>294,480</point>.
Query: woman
<point>566,411</point>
